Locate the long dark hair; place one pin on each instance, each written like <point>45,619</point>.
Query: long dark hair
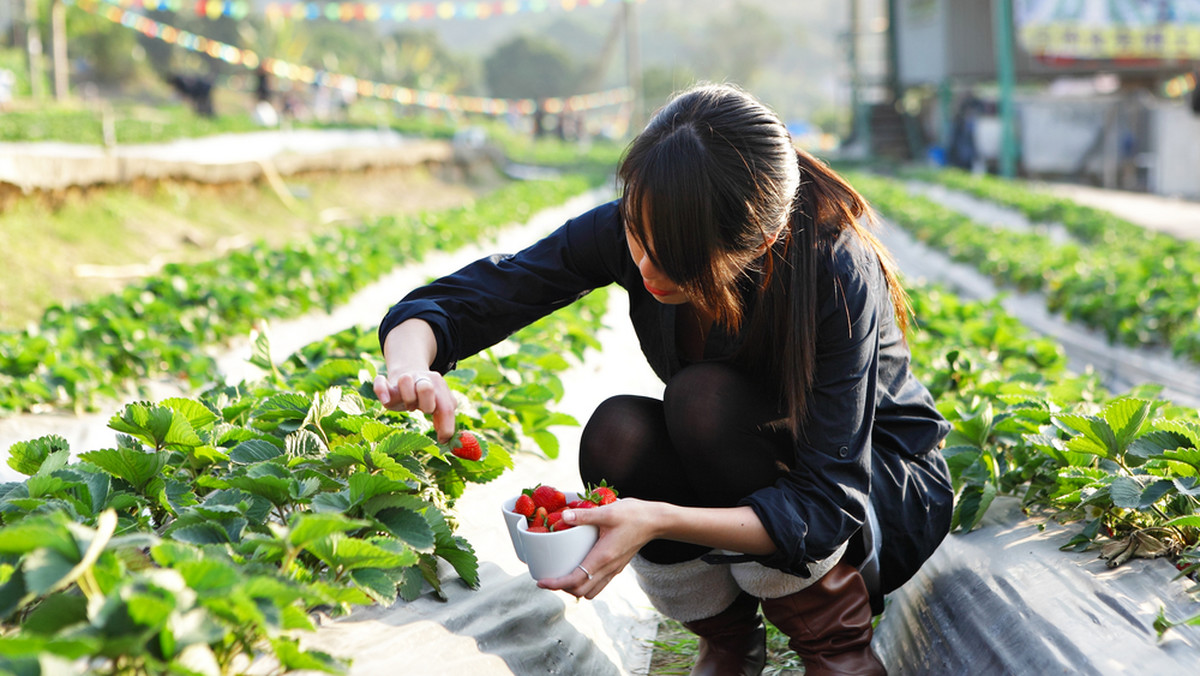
<point>712,179</point>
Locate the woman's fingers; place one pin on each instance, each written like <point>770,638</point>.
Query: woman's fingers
<point>424,391</point>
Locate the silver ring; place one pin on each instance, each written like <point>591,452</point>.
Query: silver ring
<point>585,571</point>
<point>419,379</point>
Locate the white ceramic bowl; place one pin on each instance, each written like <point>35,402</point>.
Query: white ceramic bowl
<point>549,554</point>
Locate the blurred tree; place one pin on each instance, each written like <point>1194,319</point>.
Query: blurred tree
<point>660,82</point>
<point>737,44</point>
<point>102,52</point>
<point>530,67</point>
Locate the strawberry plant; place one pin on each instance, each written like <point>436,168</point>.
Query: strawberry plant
<point>1126,468</point>
<point>169,325</point>
<point>1110,278</point>
<point>207,536</point>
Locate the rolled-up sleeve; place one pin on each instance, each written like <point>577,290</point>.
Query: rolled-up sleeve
<point>822,501</point>
<point>487,300</point>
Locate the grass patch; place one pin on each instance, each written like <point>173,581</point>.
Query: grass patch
<point>674,651</point>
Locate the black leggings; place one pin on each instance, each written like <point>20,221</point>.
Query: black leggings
<point>709,443</point>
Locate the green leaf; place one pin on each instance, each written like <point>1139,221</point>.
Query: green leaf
<point>158,426</point>
<point>972,505</point>
<point>307,527</point>
<point>1093,435</point>
<point>399,444</point>
<point>1126,417</point>
<point>546,441</point>
<point>55,613</point>
<point>209,575</point>
<point>1186,428</point>
<point>1187,520</point>
<point>287,406</point>
<point>341,552</point>
<point>1154,442</point>
<point>1126,492</point>
<point>135,467</point>
<point>365,486</point>
<point>44,569</point>
<point>27,457</point>
<point>253,451</point>
<point>198,415</point>
<point>377,584</point>
<point>292,658</point>
<point>409,526</point>
<point>25,536</point>
<point>302,443</point>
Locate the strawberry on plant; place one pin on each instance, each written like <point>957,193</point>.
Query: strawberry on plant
<point>466,446</point>
<point>524,506</point>
<point>549,497</point>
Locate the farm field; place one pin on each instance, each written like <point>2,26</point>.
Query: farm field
<point>298,477</point>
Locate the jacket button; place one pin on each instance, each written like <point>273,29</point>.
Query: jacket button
<point>843,451</point>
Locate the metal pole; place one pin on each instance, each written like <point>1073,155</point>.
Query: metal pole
<point>33,53</point>
<point>633,67</point>
<point>58,23</point>
<point>1006,78</point>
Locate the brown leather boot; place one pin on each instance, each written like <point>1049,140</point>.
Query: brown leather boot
<point>829,624</point>
<point>733,642</point>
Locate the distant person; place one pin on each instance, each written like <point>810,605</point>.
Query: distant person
<point>1195,97</point>
<point>792,463</point>
<point>7,81</point>
<point>197,90</point>
<point>262,84</point>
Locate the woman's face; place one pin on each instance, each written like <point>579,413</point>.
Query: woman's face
<point>658,284</point>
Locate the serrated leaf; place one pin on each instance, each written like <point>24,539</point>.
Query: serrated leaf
<point>1125,417</point>
<point>307,527</point>
<point>400,444</point>
<point>158,426</point>
<point>339,551</point>
<point>376,584</point>
<point>253,451</point>
<point>198,415</point>
<point>365,486</point>
<point>27,457</point>
<point>973,503</point>
<point>1187,428</point>
<point>287,406</point>
<point>1154,442</point>
<point>303,443</point>
<point>1126,492</point>
<point>137,468</point>
<point>409,526</point>
<point>209,575</point>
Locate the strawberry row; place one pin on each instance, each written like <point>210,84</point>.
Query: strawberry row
<point>220,523</point>
<point>1124,467</point>
<point>170,325</point>
<point>1139,288</point>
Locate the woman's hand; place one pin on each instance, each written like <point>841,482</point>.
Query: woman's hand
<point>422,390</point>
<point>625,526</point>
<point>410,384</point>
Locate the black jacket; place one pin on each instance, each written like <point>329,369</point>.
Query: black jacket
<point>872,428</point>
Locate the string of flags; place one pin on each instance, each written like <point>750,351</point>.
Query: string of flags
<point>366,11</point>
<point>346,83</point>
